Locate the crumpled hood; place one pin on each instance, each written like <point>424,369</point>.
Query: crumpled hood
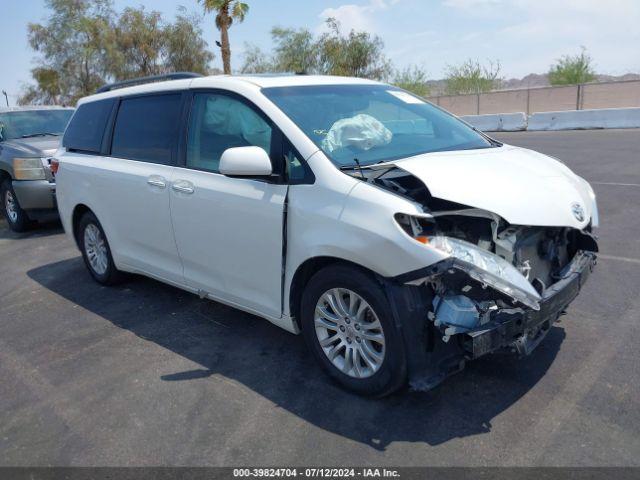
<point>32,147</point>
<point>522,186</point>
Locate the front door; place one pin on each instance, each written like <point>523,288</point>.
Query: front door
<point>228,230</point>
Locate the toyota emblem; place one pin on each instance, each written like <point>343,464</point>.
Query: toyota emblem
<point>578,211</point>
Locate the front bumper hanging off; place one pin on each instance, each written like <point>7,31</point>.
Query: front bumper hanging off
<point>517,330</point>
<point>521,330</point>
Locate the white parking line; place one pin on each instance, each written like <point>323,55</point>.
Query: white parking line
<point>617,184</point>
<point>621,259</point>
<point>565,407</point>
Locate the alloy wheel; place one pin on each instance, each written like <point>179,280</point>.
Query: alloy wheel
<point>11,206</point>
<point>96,249</point>
<point>349,332</point>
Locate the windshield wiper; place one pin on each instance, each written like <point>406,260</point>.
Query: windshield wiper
<point>353,166</point>
<point>41,134</point>
<point>492,141</point>
<point>359,166</point>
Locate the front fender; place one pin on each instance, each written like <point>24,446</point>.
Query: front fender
<point>360,229</point>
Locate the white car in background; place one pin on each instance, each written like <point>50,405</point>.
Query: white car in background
<point>400,241</point>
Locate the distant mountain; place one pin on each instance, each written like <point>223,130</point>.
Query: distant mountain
<point>532,80</point>
<point>542,80</point>
<point>619,78</point>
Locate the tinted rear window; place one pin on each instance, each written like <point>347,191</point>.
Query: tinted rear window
<point>146,128</point>
<point>86,129</point>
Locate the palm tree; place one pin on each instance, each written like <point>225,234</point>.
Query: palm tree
<point>226,12</point>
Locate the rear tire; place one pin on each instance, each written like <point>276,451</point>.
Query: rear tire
<point>348,325</point>
<point>96,251</point>
<point>17,218</point>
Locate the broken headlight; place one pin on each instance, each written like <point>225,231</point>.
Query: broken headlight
<point>489,269</point>
<point>480,264</point>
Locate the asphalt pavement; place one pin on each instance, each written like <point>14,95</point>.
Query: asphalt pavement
<point>145,374</point>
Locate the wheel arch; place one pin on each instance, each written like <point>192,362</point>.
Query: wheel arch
<point>4,175</point>
<point>306,270</point>
<point>78,212</point>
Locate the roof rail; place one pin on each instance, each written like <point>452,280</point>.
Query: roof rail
<point>153,78</point>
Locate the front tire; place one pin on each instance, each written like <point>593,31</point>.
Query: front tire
<point>17,218</point>
<point>96,252</point>
<point>348,325</point>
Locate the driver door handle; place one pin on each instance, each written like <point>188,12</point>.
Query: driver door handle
<point>183,186</point>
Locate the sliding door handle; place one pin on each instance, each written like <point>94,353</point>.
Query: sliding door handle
<point>183,186</point>
<point>157,181</point>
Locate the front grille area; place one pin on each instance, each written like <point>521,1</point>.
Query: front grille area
<point>46,164</point>
<point>540,254</point>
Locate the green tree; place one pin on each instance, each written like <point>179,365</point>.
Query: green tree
<point>256,60</point>
<point>331,53</point>
<point>75,48</point>
<point>85,44</point>
<point>187,50</point>
<point>140,42</point>
<point>572,69</point>
<point>48,88</point>
<point>294,50</point>
<point>357,54</point>
<point>227,11</point>
<point>472,77</point>
<point>413,79</point>
<point>146,45</point>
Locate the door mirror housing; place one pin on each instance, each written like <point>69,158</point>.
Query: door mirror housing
<point>245,162</point>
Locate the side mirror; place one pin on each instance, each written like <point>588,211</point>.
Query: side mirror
<point>245,162</point>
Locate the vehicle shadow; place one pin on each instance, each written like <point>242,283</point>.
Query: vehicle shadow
<point>276,364</point>
<point>38,229</point>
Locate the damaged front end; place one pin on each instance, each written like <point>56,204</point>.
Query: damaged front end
<point>500,288</point>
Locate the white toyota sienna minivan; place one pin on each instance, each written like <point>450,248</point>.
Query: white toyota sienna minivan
<point>398,239</point>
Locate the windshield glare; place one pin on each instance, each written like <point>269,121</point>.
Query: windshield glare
<point>29,122</point>
<point>372,123</point>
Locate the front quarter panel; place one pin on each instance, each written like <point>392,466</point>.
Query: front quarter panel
<point>346,218</point>
<point>374,237</point>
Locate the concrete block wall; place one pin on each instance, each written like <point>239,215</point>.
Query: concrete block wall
<point>585,119</point>
<point>558,120</point>
<point>624,95</point>
<point>502,122</point>
<point>553,99</point>
<point>590,96</point>
<point>509,101</point>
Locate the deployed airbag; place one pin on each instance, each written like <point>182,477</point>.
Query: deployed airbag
<point>226,116</point>
<point>362,131</point>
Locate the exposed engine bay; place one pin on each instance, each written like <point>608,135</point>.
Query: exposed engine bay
<point>468,314</point>
<point>539,253</point>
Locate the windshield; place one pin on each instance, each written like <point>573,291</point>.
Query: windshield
<point>372,123</point>
<point>27,123</point>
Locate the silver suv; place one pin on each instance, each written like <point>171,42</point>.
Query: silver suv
<point>28,138</point>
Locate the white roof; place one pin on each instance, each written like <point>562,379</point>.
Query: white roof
<point>226,81</point>
<point>265,81</point>
<point>33,107</point>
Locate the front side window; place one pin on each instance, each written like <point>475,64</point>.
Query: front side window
<point>372,123</point>
<point>146,128</point>
<point>32,123</point>
<point>219,122</point>
<point>297,171</point>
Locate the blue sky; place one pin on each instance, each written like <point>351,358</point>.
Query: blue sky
<point>524,35</point>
